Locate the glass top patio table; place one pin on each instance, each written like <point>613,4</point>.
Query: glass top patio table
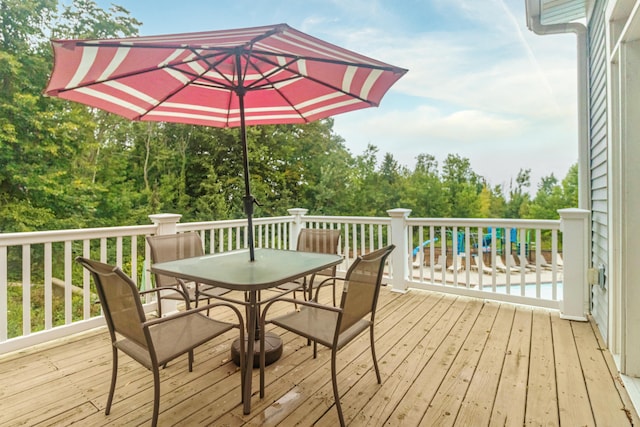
<point>234,270</point>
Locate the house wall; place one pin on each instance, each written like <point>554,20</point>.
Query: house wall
<point>623,87</point>
<point>598,159</point>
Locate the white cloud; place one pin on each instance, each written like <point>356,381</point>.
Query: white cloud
<point>493,92</point>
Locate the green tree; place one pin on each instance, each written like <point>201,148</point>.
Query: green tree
<point>462,186</point>
<point>553,195</point>
<point>518,203</point>
<point>423,192</point>
<point>570,187</point>
<point>43,141</point>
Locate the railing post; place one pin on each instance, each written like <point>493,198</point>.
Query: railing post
<point>165,222</point>
<point>574,224</point>
<point>298,224</point>
<point>400,256</point>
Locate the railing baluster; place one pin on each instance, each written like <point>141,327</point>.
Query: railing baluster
<point>119,251</point>
<point>4,290</point>
<point>554,264</point>
<point>86,283</point>
<point>48,286</point>
<point>521,254</point>
<point>26,289</point>
<point>134,259</point>
<point>68,282</point>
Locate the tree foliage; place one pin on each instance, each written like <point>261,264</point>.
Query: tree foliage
<point>64,165</point>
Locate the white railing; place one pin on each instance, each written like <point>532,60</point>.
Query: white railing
<point>518,259</point>
<point>61,302</point>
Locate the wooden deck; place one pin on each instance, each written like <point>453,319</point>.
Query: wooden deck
<point>444,360</point>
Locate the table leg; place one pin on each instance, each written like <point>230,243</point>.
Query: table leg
<point>272,347</point>
<point>251,330</point>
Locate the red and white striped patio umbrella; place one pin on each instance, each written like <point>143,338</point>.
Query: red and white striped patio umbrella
<point>263,75</point>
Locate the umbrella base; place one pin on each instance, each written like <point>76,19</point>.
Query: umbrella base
<point>272,350</point>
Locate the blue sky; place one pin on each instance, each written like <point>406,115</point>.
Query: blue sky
<point>479,83</point>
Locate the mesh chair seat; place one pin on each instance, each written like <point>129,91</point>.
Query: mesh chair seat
<point>173,339</point>
<point>319,325</point>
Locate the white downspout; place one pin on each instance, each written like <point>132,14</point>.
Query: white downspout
<point>534,24</point>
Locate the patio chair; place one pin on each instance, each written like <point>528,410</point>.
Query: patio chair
<point>479,265</point>
<point>524,263</point>
<point>152,343</point>
<point>440,264</point>
<point>335,327</point>
<point>501,266</point>
<point>513,264</point>
<point>544,263</point>
<point>325,241</point>
<point>458,263</point>
<point>170,247</point>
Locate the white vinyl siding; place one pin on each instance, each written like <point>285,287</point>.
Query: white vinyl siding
<point>599,164</point>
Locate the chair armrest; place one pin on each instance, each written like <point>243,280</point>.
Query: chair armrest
<point>191,311</point>
<point>161,289</point>
<point>321,284</point>
<point>179,281</point>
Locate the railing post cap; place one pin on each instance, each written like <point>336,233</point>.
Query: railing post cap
<point>573,213</point>
<point>399,213</point>
<point>297,211</point>
<point>164,218</point>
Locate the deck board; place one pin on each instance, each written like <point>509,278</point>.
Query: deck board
<point>542,399</point>
<point>444,360</point>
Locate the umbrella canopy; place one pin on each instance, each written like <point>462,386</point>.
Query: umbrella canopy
<point>263,75</point>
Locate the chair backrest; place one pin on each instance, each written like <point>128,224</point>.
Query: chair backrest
<point>477,260</point>
<point>120,300</point>
<point>324,241</point>
<point>170,247</point>
<point>513,263</point>
<point>362,286</point>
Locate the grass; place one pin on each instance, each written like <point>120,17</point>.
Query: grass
<point>14,312</point>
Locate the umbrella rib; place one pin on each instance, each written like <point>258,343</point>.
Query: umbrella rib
<point>193,77</point>
<point>265,78</point>
<point>320,82</point>
<point>332,61</point>
<point>173,66</point>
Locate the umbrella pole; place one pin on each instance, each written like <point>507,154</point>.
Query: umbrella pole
<point>248,197</point>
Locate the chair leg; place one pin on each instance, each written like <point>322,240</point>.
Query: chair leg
<point>156,396</point>
<point>373,354</point>
<point>114,375</point>
<point>243,362</point>
<point>333,288</point>
<point>262,358</point>
<point>334,380</point>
